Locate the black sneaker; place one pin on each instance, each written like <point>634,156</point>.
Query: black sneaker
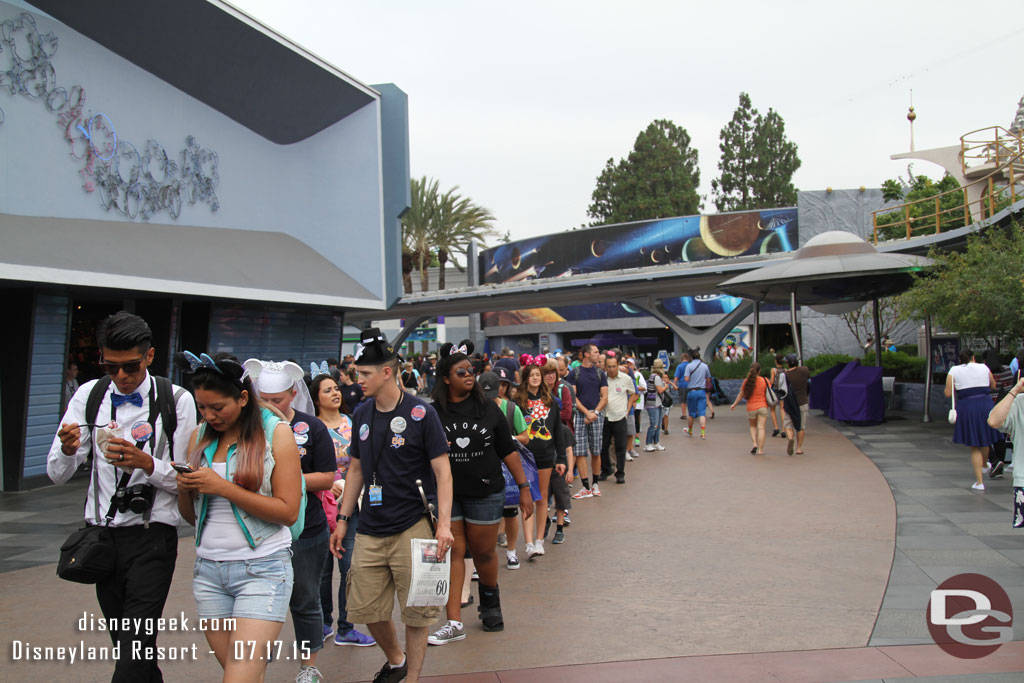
<point>390,674</point>
<point>620,479</point>
<point>775,432</point>
<point>997,471</point>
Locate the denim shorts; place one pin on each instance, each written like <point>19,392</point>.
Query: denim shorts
<point>486,510</point>
<point>246,589</point>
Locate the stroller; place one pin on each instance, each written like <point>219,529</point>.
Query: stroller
<point>718,397</point>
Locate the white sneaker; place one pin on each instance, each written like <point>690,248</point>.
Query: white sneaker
<point>978,487</point>
<point>986,468</point>
<point>538,548</point>
<point>635,455</point>
<point>629,457</point>
<point>531,551</point>
<point>649,448</point>
<point>658,447</point>
<point>511,561</point>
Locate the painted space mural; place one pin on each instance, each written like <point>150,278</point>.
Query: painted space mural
<point>636,245</point>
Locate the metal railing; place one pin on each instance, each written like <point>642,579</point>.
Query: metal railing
<point>953,209</point>
<point>988,148</point>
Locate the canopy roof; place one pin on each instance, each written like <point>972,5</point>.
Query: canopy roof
<point>832,267</point>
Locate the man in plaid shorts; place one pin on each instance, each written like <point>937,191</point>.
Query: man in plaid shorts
<point>591,397</point>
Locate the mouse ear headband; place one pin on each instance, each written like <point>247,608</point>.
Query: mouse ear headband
<point>190,362</point>
<point>317,370</point>
<point>464,347</point>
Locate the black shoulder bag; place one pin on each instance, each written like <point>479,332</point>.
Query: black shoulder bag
<point>88,554</point>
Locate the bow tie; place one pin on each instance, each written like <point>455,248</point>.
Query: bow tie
<point>120,399</point>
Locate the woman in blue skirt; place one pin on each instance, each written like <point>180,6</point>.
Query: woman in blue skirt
<point>972,382</point>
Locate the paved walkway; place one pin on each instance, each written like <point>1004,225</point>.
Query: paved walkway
<point>708,564</point>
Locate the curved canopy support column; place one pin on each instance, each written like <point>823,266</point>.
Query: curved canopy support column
<point>705,340</point>
<point>409,327</point>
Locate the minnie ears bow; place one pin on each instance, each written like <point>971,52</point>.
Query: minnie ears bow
<point>317,370</point>
<point>465,347</point>
<point>527,359</point>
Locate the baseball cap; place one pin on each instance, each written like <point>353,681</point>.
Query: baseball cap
<point>504,375</point>
<point>488,381</point>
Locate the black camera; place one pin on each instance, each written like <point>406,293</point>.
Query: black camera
<point>137,499</point>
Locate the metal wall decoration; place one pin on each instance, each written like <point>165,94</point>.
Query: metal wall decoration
<point>131,182</point>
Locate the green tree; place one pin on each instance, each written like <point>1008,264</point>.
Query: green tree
<point>436,228</point>
<point>978,292</point>
<point>777,161</point>
<point>757,163</point>
<point>658,179</point>
<point>417,226</point>
<point>734,187</point>
<point>457,222</point>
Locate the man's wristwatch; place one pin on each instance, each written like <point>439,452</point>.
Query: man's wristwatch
<point>343,518</point>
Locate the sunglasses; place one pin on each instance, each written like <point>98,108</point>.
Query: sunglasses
<point>463,372</point>
<point>130,367</point>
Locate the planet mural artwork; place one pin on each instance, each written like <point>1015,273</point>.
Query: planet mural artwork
<point>643,244</point>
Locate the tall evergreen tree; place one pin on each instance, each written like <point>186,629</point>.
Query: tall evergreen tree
<point>777,161</point>
<point>658,179</point>
<point>734,187</point>
<point>757,162</point>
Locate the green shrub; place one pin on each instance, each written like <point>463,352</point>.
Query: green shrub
<point>909,349</point>
<point>825,361</point>
<point>739,369</point>
<point>904,366</point>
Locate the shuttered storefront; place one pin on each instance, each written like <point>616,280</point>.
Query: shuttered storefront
<point>46,379</point>
<point>276,333</point>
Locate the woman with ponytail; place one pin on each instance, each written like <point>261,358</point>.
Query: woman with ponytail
<point>754,391</point>
<point>242,493</point>
<point>479,440</point>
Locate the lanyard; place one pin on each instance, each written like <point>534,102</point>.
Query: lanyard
<point>379,452</point>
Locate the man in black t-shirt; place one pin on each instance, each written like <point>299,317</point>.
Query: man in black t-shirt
<point>396,439</point>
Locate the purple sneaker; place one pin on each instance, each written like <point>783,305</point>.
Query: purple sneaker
<point>328,631</point>
<point>354,637</point>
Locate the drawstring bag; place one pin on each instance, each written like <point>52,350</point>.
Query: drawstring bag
<point>530,468</point>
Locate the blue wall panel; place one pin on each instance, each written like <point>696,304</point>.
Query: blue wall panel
<point>276,333</point>
<point>46,375</point>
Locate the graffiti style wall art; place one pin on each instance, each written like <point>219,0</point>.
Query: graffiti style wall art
<point>636,245</point>
<point>131,182</point>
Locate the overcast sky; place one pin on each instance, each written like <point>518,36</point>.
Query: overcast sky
<point>520,104</point>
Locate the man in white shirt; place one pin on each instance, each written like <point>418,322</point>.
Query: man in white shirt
<point>621,397</point>
<point>142,525</point>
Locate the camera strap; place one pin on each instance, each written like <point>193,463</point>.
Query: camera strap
<point>154,409</point>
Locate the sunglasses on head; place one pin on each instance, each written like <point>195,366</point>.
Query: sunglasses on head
<point>129,367</point>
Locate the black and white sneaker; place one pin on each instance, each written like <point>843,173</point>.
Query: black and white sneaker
<point>997,471</point>
<point>391,674</point>
<point>511,561</point>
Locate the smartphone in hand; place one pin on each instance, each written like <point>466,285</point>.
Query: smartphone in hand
<point>184,468</point>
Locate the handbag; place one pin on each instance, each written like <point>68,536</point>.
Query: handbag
<point>952,411</point>
<point>529,469</point>
<point>87,556</point>
<point>770,397</point>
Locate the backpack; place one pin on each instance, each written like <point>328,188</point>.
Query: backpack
<point>166,400</point>
<point>780,386</point>
<point>572,396</point>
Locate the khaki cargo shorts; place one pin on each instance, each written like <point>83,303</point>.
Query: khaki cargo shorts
<point>382,567</point>
<point>788,423</point>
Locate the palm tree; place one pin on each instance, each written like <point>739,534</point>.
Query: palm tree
<point>457,222</point>
<point>416,232</point>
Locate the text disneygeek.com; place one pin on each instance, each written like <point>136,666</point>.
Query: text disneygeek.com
<point>22,650</point>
